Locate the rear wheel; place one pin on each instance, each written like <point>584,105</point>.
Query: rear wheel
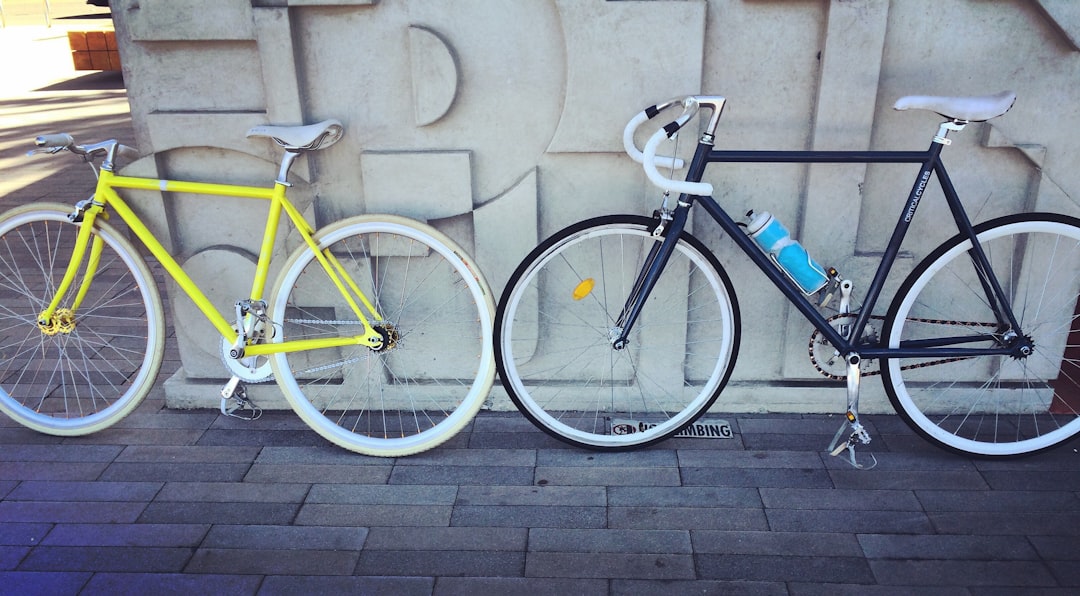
<point>993,405</point>
<point>435,367</point>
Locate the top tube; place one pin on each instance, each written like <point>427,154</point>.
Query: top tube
<point>811,156</point>
<point>202,188</point>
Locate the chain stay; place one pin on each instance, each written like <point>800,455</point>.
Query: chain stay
<point>817,333</point>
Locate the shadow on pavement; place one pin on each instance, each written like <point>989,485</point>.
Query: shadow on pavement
<point>106,79</point>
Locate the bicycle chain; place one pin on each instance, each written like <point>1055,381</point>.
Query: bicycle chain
<point>817,333</point>
<point>322,322</point>
<point>249,377</point>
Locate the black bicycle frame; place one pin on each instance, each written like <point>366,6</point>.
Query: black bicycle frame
<point>931,163</point>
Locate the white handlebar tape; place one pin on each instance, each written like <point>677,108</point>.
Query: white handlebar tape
<point>680,186</point>
<point>632,150</point>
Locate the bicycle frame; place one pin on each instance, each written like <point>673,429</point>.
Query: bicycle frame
<point>106,195</point>
<point>931,165</point>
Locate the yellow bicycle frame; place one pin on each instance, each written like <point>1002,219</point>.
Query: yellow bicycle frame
<point>106,195</point>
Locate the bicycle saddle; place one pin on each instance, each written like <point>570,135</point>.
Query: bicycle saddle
<point>302,138</point>
<point>971,109</point>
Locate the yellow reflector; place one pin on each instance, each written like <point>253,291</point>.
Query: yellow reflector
<point>582,290</point>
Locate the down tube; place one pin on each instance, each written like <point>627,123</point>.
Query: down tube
<point>187,285</point>
<point>742,239</point>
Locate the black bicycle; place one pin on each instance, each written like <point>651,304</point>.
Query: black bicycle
<point>619,331</point>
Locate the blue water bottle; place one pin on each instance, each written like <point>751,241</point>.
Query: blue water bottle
<point>773,238</point>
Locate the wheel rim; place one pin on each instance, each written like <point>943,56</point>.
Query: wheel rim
<point>591,428</point>
<point>409,326</point>
<point>1026,383</point>
<point>81,370</point>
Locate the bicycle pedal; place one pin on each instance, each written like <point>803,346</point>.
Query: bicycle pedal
<point>849,446</point>
<point>244,409</point>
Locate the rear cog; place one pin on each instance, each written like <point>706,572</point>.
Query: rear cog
<point>390,336</point>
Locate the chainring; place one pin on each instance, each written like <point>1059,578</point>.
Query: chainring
<point>831,363</point>
<point>250,369</point>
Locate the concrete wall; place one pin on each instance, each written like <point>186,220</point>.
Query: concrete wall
<point>500,122</point>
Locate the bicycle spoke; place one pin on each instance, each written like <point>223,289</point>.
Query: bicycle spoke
<point>558,320</point>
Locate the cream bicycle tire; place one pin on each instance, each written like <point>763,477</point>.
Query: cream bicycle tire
<point>66,383</point>
<point>435,376</point>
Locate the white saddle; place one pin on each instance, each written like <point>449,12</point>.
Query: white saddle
<point>970,109</point>
<point>302,138</point>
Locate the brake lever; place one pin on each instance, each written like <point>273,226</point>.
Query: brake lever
<point>50,151</point>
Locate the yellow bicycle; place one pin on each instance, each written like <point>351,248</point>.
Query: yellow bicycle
<point>378,329</point>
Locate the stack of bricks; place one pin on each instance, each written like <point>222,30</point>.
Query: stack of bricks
<point>94,50</point>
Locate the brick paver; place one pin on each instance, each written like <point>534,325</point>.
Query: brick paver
<point>190,502</point>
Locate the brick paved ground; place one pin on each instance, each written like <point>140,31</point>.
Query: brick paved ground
<point>191,502</point>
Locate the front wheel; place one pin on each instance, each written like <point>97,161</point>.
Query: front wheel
<point>557,321</point>
<point>436,366</point>
<point>993,405</point>
<point>100,357</point>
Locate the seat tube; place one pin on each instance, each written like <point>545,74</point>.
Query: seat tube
<point>262,269</point>
<point>888,258</point>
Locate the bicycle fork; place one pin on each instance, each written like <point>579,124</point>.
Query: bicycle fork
<point>56,319</point>
<point>670,227</point>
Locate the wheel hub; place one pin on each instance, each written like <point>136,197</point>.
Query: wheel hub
<point>62,321</point>
<point>390,336</point>
<point>1023,347</point>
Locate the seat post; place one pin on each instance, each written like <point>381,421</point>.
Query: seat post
<point>949,125</point>
<point>286,164</point>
